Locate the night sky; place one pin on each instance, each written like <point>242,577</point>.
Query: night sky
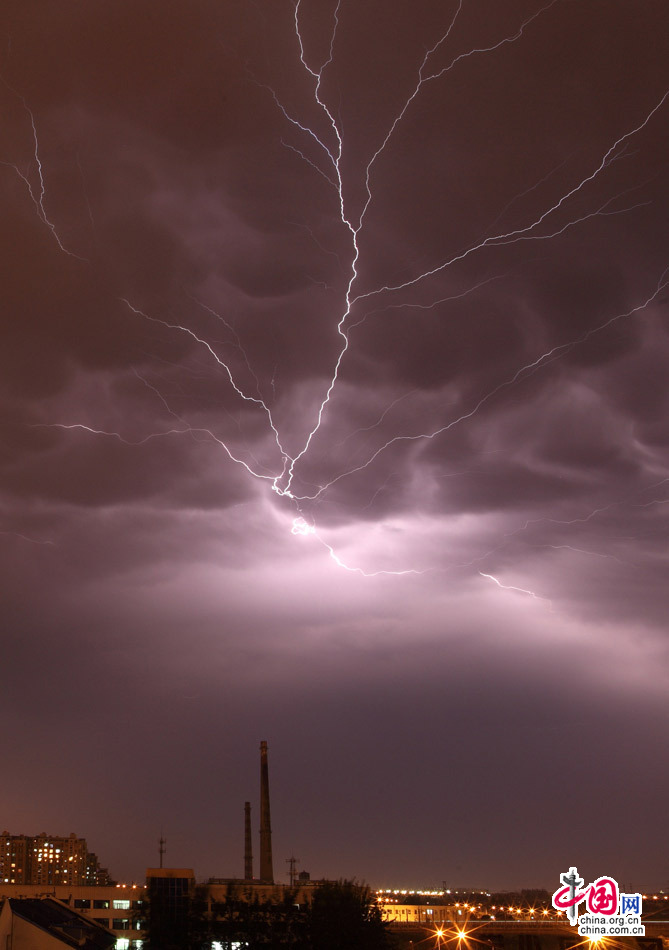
<point>333,403</point>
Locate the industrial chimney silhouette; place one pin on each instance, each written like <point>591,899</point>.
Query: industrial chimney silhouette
<point>266,871</point>
<point>248,852</point>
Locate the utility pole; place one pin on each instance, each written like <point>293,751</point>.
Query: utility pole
<point>248,853</point>
<point>292,874</point>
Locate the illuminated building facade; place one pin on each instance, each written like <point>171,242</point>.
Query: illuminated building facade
<point>417,913</point>
<point>428,907</point>
<point>47,860</point>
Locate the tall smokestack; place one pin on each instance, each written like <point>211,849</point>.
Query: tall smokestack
<point>266,871</point>
<point>248,852</point>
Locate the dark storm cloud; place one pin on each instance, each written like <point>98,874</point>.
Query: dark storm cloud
<point>497,429</point>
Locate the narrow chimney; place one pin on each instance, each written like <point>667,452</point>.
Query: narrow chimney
<point>266,871</point>
<point>248,853</point>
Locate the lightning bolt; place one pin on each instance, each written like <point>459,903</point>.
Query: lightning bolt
<point>585,519</point>
<point>334,155</point>
<point>302,528</point>
<point>520,590</point>
<point>558,350</point>
<point>569,547</point>
<point>38,195</point>
<point>24,537</point>
<point>323,153</point>
<point>525,233</point>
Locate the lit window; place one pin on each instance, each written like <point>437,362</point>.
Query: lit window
<point>121,905</point>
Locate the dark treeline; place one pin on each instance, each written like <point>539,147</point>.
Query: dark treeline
<point>341,914</point>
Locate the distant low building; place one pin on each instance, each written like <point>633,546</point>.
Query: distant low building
<point>414,913</point>
<point>422,907</point>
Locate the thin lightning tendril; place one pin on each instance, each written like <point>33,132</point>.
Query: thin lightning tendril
<point>24,537</point>
<point>520,590</point>
<point>301,527</point>
<point>523,233</point>
<point>39,198</point>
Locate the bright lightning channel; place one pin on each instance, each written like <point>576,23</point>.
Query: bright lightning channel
<point>520,590</point>
<point>304,529</point>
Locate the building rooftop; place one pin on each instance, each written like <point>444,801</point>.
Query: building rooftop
<point>59,921</point>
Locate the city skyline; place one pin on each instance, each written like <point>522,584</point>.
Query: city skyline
<point>333,394</point>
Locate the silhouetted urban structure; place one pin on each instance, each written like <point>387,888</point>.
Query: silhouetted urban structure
<point>266,870</point>
<point>53,894</point>
<point>248,851</point>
